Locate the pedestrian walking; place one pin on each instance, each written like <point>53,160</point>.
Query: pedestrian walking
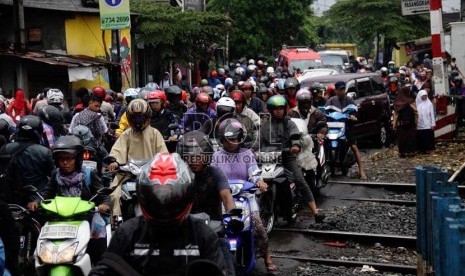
<point>405,122</point>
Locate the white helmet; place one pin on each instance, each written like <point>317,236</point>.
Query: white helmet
<point>221,71</point>
<point>270,70</point>
<point>240,71</point>
<point>251,61</point>
<point>391,62</point>
<point>228,81</point>
<point>252,67</point>
<point>131,92</point>
<point>384,70</point>
<point>152,86</point>
<point>54,96</point>
<point>220,87</point>
<point>226,101</point>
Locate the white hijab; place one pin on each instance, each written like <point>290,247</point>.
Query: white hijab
<point>425,111</point>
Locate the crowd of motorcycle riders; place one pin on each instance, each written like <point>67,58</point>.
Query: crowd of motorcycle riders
<point>193,141</point>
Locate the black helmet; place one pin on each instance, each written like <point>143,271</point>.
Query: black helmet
<point>165,190</point>
<point>50,115</point>
<point>231,129</point>
<point>173,90</point>
<point>195,143</point>
<point>290,83</point>
<point>69,144</point>
<point>30,127</point>
<point>139,114</point>
<point>316,88</point>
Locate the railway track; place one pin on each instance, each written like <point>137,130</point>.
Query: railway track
<point>362,238</point>
<point>407,187</point>
<point>384,267</point>
<point>379,200</point>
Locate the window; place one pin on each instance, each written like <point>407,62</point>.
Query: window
<point>34,36</point>
<point>364,87</point>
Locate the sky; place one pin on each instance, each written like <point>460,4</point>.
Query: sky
<point>321,6</point>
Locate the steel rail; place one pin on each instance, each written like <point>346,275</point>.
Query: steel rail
<point>384,267</point>
<point>363,238</point>
<point>379,200</point>
<point>408,186</point>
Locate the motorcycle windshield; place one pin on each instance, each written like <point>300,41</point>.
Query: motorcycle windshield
<point>67,207</point>
<point>337,116</point>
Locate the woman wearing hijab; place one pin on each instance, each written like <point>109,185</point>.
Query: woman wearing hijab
<point>405,122</point>
<point>426,123</point>
<point>19,107</point>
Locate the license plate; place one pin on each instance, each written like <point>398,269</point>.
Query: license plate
<point>89,164</point>
<point>130,186</point>
<point>58,232</point>
<point>336,124</point>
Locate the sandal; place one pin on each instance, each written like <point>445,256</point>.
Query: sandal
<point>271,267</point>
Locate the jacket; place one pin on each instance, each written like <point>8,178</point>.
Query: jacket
<point>32,166</point>
<point>51,190</point>
<point>161,120</point>
<point>315,116</point>
<point>123,124</point>
<point>193,119</point>
<point>153,252</point>
<point>277,133</point>
<point>137,146</point>
<point>256,105</point>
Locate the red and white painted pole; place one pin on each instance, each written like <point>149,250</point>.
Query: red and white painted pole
<point>446,118</point>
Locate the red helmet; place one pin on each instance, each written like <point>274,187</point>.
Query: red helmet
<point>99,92</point>
<point>213,74</point>
<point>165,190</point>
<point>238,96</point>
<point>108,98</point>
<point>203,98</point>
<point>247,85</point>
<point>155,96</point>
<point>330,90</point>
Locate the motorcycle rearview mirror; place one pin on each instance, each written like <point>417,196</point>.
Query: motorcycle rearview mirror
<point>33,190</point>
<point>352,95</point>
<point>105,191</point>
<point>173,126</point>
<point>109,159</point>
<point>30,189</point>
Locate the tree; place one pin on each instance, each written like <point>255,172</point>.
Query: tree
<point>262,26</point>
<point>378,18</point>
<point>175,35</point>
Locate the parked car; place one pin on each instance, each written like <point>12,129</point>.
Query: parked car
<point>298,57</point>
<point>317,72</point>
<point>338,59</point>
<point>374,112</point>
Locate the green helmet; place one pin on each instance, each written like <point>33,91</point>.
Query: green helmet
<point>276,101</point>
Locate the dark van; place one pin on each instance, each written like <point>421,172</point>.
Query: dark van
<point>368,91</point>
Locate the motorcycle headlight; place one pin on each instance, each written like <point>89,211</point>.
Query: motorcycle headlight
<point>67,255</point>
<point>45,255</point>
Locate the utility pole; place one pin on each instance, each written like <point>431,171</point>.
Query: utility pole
<point>437,43</point>
<point>20,44</point>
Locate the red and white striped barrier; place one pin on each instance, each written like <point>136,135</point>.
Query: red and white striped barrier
<point>446,125</point>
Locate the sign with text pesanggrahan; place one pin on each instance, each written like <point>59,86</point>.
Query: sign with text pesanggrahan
<point>412,7</point>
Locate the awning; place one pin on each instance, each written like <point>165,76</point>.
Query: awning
<point>79,67</point>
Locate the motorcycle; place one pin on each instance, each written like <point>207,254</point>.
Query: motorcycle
<point>29,229</point>
<point>337,151</point>
<point>63,240</point>
<point>129,205</point>
<point>238,225</point>
<point>281,195</point>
